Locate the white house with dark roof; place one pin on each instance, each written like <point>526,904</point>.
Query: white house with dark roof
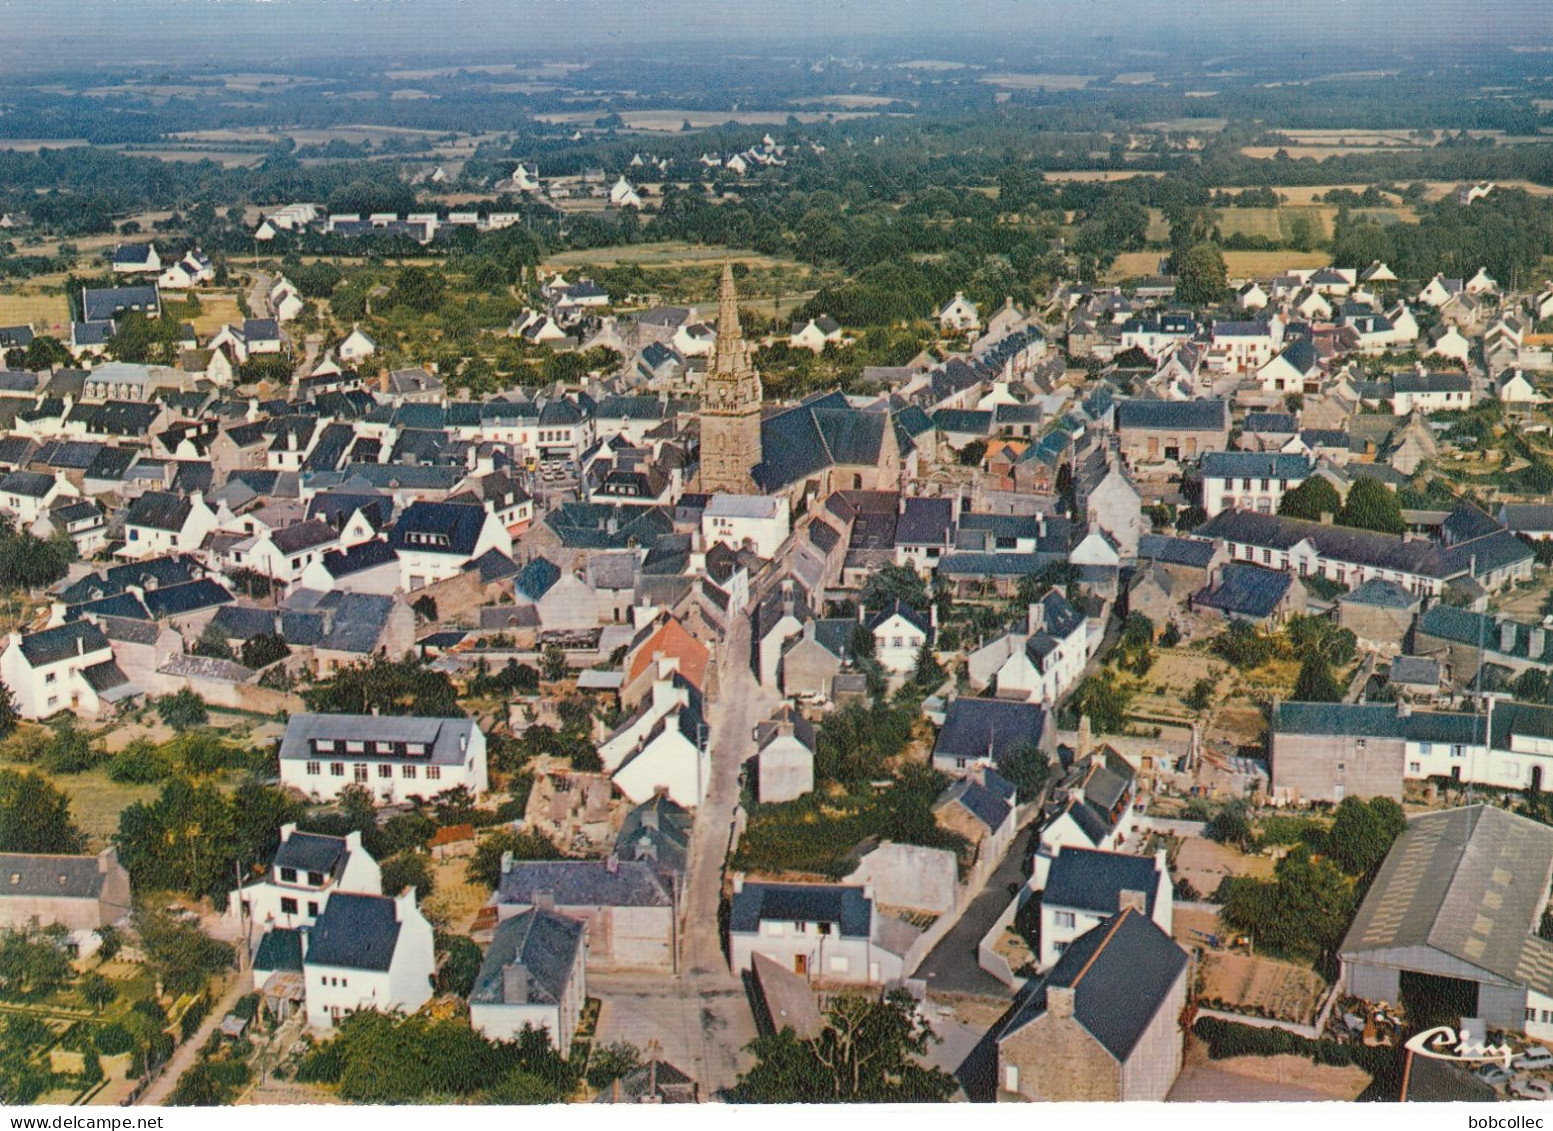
<point>959,315</point>
<point>367,952</point>
<point>815,334</point>
<point>29,495</point>
<point>136,259</point>
<point>1085,888</point>
<point>393,756</point>
<point>308,868</point>
<point>357,346</point>
<point>1040,663</point>
<point>828,932</point>
<point>1253,481</point>
<point>158,523</point>
<point>435,541</point>
<point>899,633</point>
<point>68,668</point>
<point>763,521</point>
<point>534,974</point>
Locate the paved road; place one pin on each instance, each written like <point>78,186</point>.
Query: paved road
<point>700,1018</point>
<point>184,1055</point>
<point>259,295</point>
<point>950,967</point>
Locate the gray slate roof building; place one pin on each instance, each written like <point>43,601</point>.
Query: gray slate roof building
<point>1121,973</point>
<point>844,905</point>
<point>529,961</point>
<point>583,883</point>
<point>355,932</point>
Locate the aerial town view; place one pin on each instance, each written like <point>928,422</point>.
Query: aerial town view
<point>765,554</point>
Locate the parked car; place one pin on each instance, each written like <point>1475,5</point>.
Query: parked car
<point>1535,1057</point>
<point>1495,1074</point>
<point>1528,1089</point>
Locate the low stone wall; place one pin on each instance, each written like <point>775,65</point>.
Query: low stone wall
<point>988,958</point>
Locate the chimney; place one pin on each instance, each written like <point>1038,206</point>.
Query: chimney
<point>1035,618</point>
<point>738,882</point>
<point>1537,642</point>
<point>1136,900</point>
<point>1086,738</point>
<point>544,900</point>
<point>1507,636</point>
<point>612,864</point>
<point>352,839</point>
<point>287,829</point>
<point>514,984</point>
<point>1059,1001</point>
<point>1404,708</point>
<point>506,863</point>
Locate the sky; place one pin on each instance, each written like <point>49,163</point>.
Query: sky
<point>252,28</point>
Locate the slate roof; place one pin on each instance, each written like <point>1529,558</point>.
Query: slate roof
<point>30,874</point>
<point>842,904</point>
<point>1339,543</point>
<point>537,578</point>
<point>1481,629</point>
<point>976,728</point>
<point>103,304</point>
<point>1246,590</point>
<point>1176,551</point>
<point>1086,879</point>
<point>1121,974</point>
<point>1414,671</point>
<point>986,805</point>
<point>180,600</point>
<point>545,945</point>
<point>439,528</point>
<point>1271,422</point>
<point>1536,517</point>
<point>1378,593</point>
<point>444,738</point>
<point>312,852</point>
<point>55,644</point>
<point>279,949</point>
<point>1184,416</point>
<point>355,932</point>
<point>584,883</point>
<point>159,510</point>
<point>1255,465</point>
<point>1380,720</point>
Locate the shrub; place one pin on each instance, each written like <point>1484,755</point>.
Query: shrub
<point>182,710</point>
<point>139,763</point>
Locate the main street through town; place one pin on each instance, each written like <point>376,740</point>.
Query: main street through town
<point>701,1017</point>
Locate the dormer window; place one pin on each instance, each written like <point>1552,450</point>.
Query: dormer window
<point>315,879</point>
<point>288,875</point>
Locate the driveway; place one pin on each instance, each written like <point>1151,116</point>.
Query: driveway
<point>184,1055</point>
<point>950,967</point>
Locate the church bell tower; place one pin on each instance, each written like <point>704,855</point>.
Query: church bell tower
<point>730,404</point>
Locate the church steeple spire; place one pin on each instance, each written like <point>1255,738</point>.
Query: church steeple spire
<point>730,336</point>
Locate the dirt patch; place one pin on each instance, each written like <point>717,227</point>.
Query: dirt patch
<point>1263,987</point>
<point>1343,1083</point>
<point>1205,863</point>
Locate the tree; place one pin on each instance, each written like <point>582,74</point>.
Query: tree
<point>185,840</point>
<point>1231,825</point>
<point>33,961</point>
<point>1201,276</point>
<point>1302,912</point>
<point>1315,683</point>
<point>611,1062</point>
<point>1372,505</point>
<point>1027,769</point>
<point>866,1053</point>
<point>460,965</point>
<point>1362,833</point>
<point>407,870</point>
<point>552,664</point>
<point>1243,646</point>
<point>213,642</point>
<point>263,650</point>
<point>1311,499</point>
<point>485,865</point>
<point>926,673</point>
<point>418,289</point>
<point>182,710</point>
<point>35,816</point>
<point>1303,233</point>
<point>894,583</point>
<point>98,991</point>
<point>387,687</point>
<point>1104,700</point>
<point>182,955</point>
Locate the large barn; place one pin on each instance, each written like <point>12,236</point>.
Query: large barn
<point>1450,927</point>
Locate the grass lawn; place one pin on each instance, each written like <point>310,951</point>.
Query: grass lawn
<point>1240,264</point>
<point>95,801</point>
<point>671,253</point>
<point>44,311</point>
